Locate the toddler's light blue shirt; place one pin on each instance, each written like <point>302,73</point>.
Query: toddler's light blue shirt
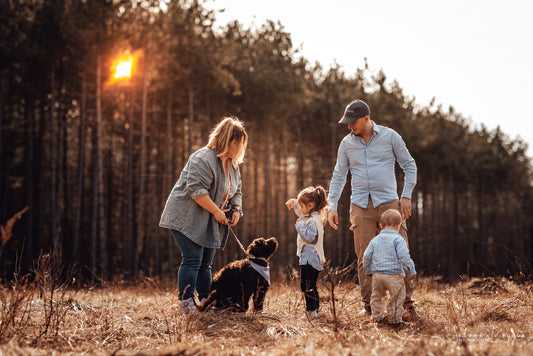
<point>387,253</point>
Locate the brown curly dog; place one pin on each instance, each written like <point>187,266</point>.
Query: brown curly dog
<point>236,283</point>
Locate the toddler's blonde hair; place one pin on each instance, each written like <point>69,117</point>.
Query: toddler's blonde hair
<point>390,217</point>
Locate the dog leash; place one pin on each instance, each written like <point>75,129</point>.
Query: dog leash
<point>242,247</point>
<point>238,241</point>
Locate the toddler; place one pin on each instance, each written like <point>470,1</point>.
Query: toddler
<point>310,208</point>
<point>384,260</point>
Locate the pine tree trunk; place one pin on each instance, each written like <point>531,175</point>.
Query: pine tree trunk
<point>414,233</point>
<point>169,180</point>
<point>288,227</point>
<point>255,194</point>
<point>245,177</point>
<point>276,210</point>
<point>154,203</point>
<point>301,159</point>
<point>482,221</point>
<point>130,242</point>
<point>142,170</point>
<point>147,243</point>
<point>29,180</point>
<point>190,134</point>
<point>111,196</point>
<point>63,200</point>
<point>80,172</point>
<point>268,184</point>
<point>3,109</point>
<point>458,246</point>
<point>99,242</point>
<point>432,223</point>
<point>53,160</point>
<point>40,172</point>
<point>454,254</point>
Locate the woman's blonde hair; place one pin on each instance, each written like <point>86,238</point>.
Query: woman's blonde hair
<point>227,130</point>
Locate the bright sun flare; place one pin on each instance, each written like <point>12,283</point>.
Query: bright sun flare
<point>123,69</point>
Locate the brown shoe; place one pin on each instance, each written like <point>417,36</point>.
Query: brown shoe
<point>410,313</point>
<point>366,310</point>
<point>397,326</point>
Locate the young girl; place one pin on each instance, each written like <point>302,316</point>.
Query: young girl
<point>309,207</point>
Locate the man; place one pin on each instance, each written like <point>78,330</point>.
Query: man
<point>369,152</point>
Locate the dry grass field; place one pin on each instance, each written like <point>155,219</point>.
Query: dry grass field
<point>472,317</point>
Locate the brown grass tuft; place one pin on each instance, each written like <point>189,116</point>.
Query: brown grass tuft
<point>144,320</point>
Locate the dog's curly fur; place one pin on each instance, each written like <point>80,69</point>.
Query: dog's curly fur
<point>236,283</point>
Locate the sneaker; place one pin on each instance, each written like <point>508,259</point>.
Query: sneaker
<point>187,306</point>
<point>313,314</point>
<point>366,311</point>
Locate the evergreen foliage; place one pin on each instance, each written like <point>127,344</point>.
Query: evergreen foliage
<point>472,204</point>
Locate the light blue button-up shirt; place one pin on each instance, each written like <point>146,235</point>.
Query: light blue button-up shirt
<point>372,168</point>
<point>387,253</point>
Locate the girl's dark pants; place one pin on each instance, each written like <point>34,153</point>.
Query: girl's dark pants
<point>309,277</point>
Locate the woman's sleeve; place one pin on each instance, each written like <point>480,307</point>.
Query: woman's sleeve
<point>200,177</point>
<point>236,199</point>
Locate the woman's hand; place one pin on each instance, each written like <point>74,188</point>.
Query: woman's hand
<point>235,218</point>
<point>205,202</point>
<point>220,217</point>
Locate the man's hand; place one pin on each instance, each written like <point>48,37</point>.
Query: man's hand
<point>405,208</point>
<point>369,275</point>
<point>333,219</point>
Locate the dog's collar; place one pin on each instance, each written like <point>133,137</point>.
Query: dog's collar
<point>259,260</point>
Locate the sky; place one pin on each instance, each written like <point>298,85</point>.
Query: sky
<point>476,56</point>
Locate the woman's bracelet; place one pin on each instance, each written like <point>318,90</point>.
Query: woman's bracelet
<point>239,209</point>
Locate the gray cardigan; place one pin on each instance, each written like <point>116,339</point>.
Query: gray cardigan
<point>203,174</point>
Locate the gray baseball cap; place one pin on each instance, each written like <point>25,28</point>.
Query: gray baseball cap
<point>355,110</point>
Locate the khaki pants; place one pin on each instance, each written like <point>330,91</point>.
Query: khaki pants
<point>365,225</point>
<point>381,283</point>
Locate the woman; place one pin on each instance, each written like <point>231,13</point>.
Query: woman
<point>208,188</point>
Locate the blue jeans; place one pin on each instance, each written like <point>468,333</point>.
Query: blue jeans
<point>195,269</point>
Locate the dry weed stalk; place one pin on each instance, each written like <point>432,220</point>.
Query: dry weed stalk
<point>332,277</point>
<point>14,310</point>
<point>144,320</point>
<point>52,291</point>
<point>171,321</point>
